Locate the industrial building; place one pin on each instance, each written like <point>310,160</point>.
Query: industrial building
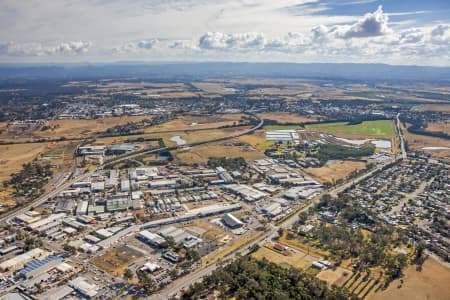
<point>19,261</point>
<point>289,136</point>
<point>152,239</point>
<point>232,222</point>
<point>83,287</point>
<point>47,223</point>
<point>246,192</point>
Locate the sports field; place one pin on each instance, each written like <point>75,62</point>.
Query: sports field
<point>380,128</point>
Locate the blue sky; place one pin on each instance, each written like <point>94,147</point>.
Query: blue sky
<point>367,31</point>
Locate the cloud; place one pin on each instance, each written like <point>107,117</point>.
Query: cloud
<point>370,25</point>
<point>183,44</point>
<point>223,41</point>
<point>70,48</point>
<point>413,35</point>
<point>135,47</point>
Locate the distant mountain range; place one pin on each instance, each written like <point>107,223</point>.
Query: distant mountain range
<point>180,71</point>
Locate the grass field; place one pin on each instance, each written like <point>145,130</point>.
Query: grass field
<point>431,283</point>
<point>115,261</point>
<point>190,122</point>
<point>297,244</point>
<point>280,127</point>
<point>338,170</point>
<point>257,140</point>
<point>12,157</point>
<point>274,256</point>
<point>381,128</point>
<point>285,117</point>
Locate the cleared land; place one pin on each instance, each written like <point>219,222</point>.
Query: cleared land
<point>289,258</point>
<point>443,126</point>
<point>335,277</point>
<point>382,129</point>
<point>190,122</point>
<point>335,171</point>
<point>12,157</point>
<point>115,261</point>
<point>257,140</point>
<point>285,117</point>
<point>434,107</point>
<point>200,154</point>
<point>417,142</point>
<point>431,283</point>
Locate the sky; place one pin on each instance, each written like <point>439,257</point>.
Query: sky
<point>404,32</point>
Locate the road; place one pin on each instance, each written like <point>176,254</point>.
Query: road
<point>400,135</point>
<point>42,199</point>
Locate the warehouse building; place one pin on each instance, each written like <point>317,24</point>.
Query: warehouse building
<point>51,221</point>
<point>19,261</point>
<point>232,222</point>
<point>83,287</point>
<point>152,239</point>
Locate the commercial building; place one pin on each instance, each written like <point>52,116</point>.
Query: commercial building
<point>120,149</point>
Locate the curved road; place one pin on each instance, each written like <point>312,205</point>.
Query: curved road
<point>132,156</point>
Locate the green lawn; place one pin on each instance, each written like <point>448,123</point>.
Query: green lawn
<point>280,127</point>
<point>380,128</point>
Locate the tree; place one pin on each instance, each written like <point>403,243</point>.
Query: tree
<point>128,274</point>
<point>146,282</point>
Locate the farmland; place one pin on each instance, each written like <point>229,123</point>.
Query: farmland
<point>381,128</point>
<point>418,142</point>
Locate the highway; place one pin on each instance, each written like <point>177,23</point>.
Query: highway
<point>42,199</point>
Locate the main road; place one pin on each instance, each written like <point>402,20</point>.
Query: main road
<point>131,156</point>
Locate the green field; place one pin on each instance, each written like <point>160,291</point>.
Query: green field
<point>381,128</point>
<point>280,127</point>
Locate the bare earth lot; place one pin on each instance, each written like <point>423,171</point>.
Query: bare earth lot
<point>432,283</point>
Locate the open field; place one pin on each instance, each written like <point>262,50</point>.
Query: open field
<point>115,261</point>
<point>335,277</point>
<point>257,140</point>
<point>443,126</point>
<point>297,244</point>
<point>84,128</point>
<point>433,107</point>
<point>190,122</point>
<point>383,128</point>
<point>431,283</point>
<point>335,171</point>
<point>235,246</point>
<point>417,142</point>
<point>211,231</point>
<point>285,117</point>
<point>200,154</point>
<point>12,157</point>
<point>279,258</point>
<point>280,127</point>
<point>214,88</point>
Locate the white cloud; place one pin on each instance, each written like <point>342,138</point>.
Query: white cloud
<point>134,47</point>
<point>372,24</point>
<point>222,41</point>
<point>70,48</point>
